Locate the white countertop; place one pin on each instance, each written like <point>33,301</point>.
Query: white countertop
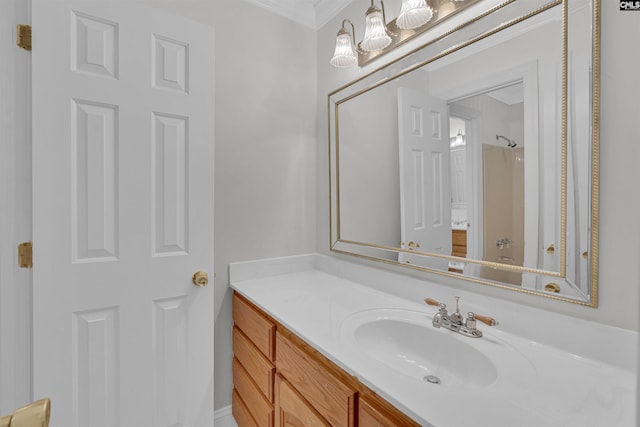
<point>563,389</point>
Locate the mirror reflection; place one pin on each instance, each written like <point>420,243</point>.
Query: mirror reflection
<point>458,166</point>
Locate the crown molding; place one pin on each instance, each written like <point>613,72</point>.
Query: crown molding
<point>310,13</point>
<point>328,9</point>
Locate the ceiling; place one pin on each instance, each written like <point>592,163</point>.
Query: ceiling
<point>312,13</point>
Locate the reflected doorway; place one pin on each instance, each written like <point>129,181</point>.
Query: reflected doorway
<point>489,134</point>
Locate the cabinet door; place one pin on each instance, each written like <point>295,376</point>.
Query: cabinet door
<point>331,397</point>
<point>292,410</point>
<point>370,416</point>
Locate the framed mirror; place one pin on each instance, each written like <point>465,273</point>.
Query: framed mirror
<point>475,155</point>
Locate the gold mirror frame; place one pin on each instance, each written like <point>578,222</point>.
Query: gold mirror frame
<point>359,86</point>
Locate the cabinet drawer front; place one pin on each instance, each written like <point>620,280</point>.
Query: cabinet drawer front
<point>255,326</point>
<point>293,410</point>
<point>258,405</point>
<point>459,237</point>
<point>256,364</point>
<point>240,412</point>
<point>327,394</point>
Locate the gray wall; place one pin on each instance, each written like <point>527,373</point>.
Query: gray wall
<point>369,164</point>
<point>619,291</point>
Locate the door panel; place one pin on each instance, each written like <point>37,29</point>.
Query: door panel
<point>425,177</point>
<point>123,214</point>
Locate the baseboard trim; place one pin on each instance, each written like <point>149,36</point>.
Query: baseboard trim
<point>224,418</point>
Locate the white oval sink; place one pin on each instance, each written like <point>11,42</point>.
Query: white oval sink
<point>407,342</point>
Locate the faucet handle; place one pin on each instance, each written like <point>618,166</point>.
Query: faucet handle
<point>489,321</point>
<point>431,301</point>
<point>470,323</point>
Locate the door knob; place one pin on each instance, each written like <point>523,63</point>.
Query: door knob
<point>200,278</point>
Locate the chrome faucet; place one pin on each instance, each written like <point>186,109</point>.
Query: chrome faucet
<point>455,322</point>
<point>502,243</point>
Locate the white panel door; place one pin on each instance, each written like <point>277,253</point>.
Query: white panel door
<point>425,176</point>
<point>123,215</point>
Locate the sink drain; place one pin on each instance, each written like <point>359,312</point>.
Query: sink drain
<point>432,379</point>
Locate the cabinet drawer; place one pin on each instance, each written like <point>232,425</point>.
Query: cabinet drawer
<point>240,412</point>
<point>260,330</point>
<point>459,237</point>
<point>258,405</point>
<point>327,394</point>
<point>259,368</point>
<point>293,410</point>
<point>460,251</point>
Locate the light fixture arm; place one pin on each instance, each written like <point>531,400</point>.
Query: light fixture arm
<point>353,30</point>
<point>384,16</point>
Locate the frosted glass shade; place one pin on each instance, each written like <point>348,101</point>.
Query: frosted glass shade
<point>414,14</point>
<point>375,32</point>
<point>345,53</point>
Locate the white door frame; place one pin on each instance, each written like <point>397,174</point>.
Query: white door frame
<point>528,74</point>
<point>15,209</point>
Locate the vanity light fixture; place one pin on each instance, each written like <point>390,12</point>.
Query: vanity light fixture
<point>446,7</point>
<point>414,14</point>
<point>416,17</point>
<point>376,34</point>
<point>345,54</point>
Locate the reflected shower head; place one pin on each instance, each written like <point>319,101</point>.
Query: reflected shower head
<point>510,143</point>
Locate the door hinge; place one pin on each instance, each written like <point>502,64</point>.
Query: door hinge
<point>25,255</point>
<point>23,36</point>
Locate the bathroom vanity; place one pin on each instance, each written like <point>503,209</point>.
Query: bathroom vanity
<point>320,341</point>
<point>281,380</point>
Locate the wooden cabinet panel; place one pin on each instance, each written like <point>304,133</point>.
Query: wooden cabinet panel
<point>371,416</point>
<point>327,394</point>
<point>459,237</point>
<point>240,412</point>
<point>292,410</point>
<point>459,243</point>
<point>260,408</point>
<point>260,330</point>
<point>256,364</point>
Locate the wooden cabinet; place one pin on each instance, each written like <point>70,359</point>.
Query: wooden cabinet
<point>333,399</point>
<point>260,369</point>
<point>292,410</point>
<point>261,407</point>
<point>255,326</point>
<point>280,380</point>
<point>459,243</point>
<point>375,412</point>
<point>253,367</point>
<point>240,411</point>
